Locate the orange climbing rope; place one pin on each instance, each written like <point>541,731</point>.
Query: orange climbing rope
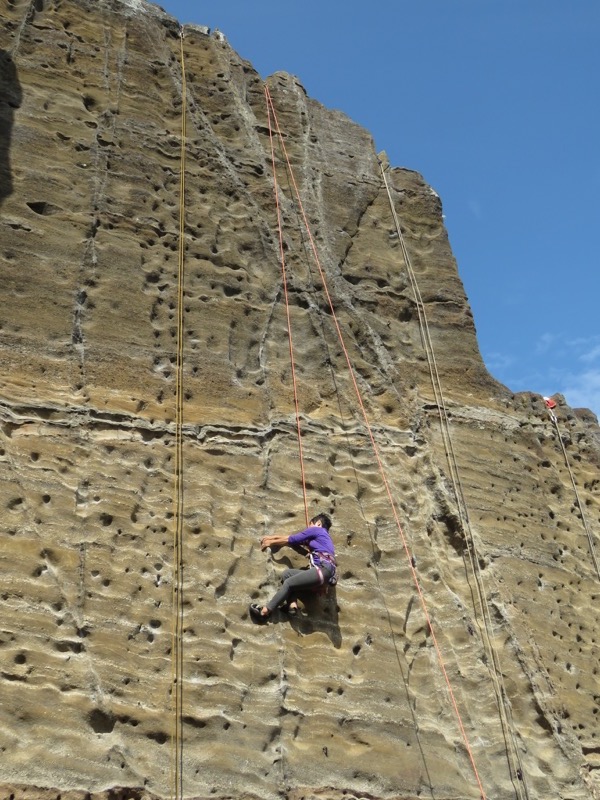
<point>271,111</point>
<point>517,772</point>
<point>177,599</point>
<point>288,317</point>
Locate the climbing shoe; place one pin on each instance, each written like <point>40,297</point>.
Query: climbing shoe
<point>256,614</point>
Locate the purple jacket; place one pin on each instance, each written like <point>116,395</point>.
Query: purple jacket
<point>317,539</point>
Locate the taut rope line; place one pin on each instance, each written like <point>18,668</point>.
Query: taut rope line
<point>515,766</point>
<point>376,449</point>
<point>177,628</point>
<point>287,311</point>
<point>577,497</point>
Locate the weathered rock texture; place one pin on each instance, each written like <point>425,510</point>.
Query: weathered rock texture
<point>348,700</point>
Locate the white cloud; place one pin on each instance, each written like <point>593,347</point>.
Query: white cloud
<point>592,355</point>
<point>498,361</point>
<point>585,348</point>
<point>557,364</point>
<point>545,342</point>
<point>583,341</point>
<point>583,391</point>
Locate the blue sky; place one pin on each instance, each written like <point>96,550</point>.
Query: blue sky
<point>497,104</point>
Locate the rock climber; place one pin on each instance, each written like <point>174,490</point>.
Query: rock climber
<point>322,570</point>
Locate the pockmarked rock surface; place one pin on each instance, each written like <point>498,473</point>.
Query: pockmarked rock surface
<point>498,504</point>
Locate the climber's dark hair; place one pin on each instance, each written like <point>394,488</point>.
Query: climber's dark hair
<point>324,519</point>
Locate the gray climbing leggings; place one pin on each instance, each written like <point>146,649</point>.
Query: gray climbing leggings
<point>297,580</point>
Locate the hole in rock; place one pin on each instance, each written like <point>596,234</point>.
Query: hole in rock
<point>101,722</point>
<point>158,736</point>
<point>42,208</point>
<point>89,102</point>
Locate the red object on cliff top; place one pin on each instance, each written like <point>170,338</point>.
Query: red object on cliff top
<point>550,403</point>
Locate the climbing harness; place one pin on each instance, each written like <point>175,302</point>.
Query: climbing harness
<point>316,558</point>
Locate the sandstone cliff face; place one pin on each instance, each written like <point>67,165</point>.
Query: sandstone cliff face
<point>348,700</point>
